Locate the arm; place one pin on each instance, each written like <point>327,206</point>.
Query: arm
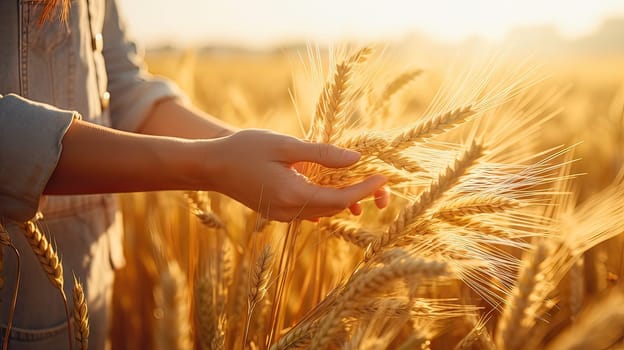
<point>252,166</point>
<point>173,117</point>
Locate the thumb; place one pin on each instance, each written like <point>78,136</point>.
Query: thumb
<point>322,153</point>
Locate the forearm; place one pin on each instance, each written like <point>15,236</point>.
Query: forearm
<point>172,117</point>
<point>96,159</point>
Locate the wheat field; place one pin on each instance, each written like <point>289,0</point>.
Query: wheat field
<point>505,228</point>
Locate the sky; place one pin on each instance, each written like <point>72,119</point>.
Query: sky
<point>263,23</point>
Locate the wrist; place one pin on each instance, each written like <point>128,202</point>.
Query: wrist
<point>199,161</point>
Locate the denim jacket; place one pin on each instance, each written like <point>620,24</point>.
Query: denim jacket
<point>49,74</point>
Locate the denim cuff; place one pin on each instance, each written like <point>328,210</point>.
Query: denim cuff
<point>30,147</point>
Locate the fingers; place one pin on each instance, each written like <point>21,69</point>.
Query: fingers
<point>321,153</point>
<point>341,198</point>
<point>356,208</point>
<point>329,201</point>
<point>382,197</point>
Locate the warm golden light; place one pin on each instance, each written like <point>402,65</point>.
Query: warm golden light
<point>268,22</point>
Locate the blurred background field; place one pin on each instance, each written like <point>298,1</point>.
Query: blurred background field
<point>252,89</point>
<point>167,247</point>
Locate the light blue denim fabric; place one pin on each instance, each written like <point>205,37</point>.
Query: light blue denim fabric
<point>87,67</point>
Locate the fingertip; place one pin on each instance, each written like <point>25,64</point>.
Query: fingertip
<point>341,157</point>
<point>382,197</point>
<point>351,156</point>
<point>356,209</point>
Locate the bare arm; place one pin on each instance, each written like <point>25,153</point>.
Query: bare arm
<point>252,166</point>
<point>97,159</point>
<point>172,117</point>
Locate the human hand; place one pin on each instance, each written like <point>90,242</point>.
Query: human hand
<point>255,167</point>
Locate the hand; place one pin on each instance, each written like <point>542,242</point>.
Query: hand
<point>255,167</point>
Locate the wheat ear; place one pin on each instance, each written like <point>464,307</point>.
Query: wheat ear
<point>297,337</point>
<point>373,280</point>
<point>365,143</point>
<point>598,327</point>
<point>81,316</point>
<point>206,315</point>
<point>400,162</point>
<point>478,226</point>
<point>51,264</point>
<point>333,98</point>
<point>358,172</point>
<point>429,127</point>
<point>258,284</point>
<point>475,204</point>
<point>47,256</point>
<point>349,231</point>
<point>396,85</point>
<point>200,207</point>
<point>427,198</point>
<point>518,301</point>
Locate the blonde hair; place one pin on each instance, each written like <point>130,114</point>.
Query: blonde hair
<point>51,8</point>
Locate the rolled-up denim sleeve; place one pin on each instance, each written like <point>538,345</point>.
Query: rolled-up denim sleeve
<point>133,91</point>
<point>30,147</point>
